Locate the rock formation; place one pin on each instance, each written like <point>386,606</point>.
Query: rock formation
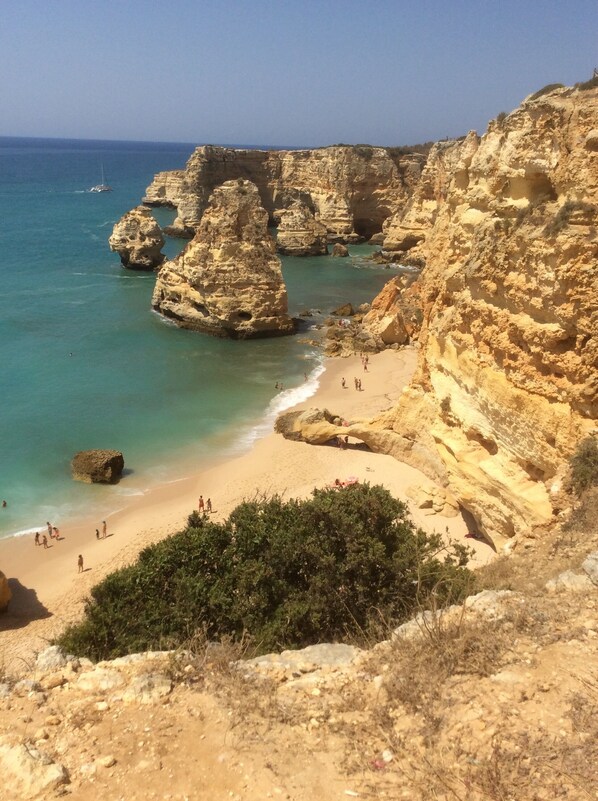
<point>507,382</point>
<point>138,240</point>
<point>300,234</point>
<point>350,190</point>
<point>5,592</point>
<point>340,251</point>
<point>97,466</point>
<point>227,281</point>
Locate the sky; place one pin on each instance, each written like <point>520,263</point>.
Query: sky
<point>281,73</point>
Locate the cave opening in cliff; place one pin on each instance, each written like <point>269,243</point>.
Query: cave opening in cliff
<point>365,227</point>
<point>245,316</point>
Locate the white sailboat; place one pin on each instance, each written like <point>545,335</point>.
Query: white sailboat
<point>103,187</point>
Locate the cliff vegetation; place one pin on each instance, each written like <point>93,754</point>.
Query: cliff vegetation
<point>285,573</point>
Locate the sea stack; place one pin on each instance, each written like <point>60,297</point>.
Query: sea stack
<point>228,280</point>
<point>300,234</point>
<point>138,240</point>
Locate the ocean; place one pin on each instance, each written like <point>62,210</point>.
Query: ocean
<point>85,363</point>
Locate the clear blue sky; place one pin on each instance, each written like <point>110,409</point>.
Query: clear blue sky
<point>310,72</point>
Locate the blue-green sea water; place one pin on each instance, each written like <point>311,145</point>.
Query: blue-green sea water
<point>85,363</point>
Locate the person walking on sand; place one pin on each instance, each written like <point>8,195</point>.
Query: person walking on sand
<point>103,528</point>
<point>55,533</point>
<point>201,503</point>
<point>97,533</point>
<point>45,541</point>
<point>80,563</point>
<point>343,383</point>
<point>49,525</point>
<point>37,542</point>
<point>209,505</point>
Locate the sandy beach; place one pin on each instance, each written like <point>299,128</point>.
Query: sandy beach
<point>48,591</point>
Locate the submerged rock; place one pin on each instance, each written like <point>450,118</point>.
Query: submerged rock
<point>228,280</point>
<point>97,466</point>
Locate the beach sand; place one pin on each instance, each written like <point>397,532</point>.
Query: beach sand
<point>48,591</point>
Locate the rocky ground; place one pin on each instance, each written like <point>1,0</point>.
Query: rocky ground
<point>497,699</point>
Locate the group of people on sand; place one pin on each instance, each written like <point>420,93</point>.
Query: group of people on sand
<point>104,531</point>
<point>53,534</point>
<point>338,484</point>
<point>205,506</point>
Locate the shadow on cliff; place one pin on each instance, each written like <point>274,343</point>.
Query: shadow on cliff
<point>23,607</point>
<point>473,532</point>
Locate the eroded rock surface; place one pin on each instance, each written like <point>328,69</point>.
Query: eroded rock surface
<point>300,234</point>
<point>97,466</point>
<point>507,381</point>
<point>5,593</point>
<point>138,240</point>
<point>228,280</point>
<point>350,190</point>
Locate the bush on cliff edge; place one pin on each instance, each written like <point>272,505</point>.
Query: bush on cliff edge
<point>288,573</point>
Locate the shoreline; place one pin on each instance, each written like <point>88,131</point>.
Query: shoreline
<point>218,447</point>
<point>49,593</point>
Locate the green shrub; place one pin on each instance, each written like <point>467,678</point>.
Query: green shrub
<point>591,84</point>
<point>288,573</point>
<point>584,465</point>
<point>546,90</point>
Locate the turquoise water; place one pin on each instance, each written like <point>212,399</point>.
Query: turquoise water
<point>84,361</point>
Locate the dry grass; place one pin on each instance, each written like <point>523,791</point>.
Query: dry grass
<point>447,647</point>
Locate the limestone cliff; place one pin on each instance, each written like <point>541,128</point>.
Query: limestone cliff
<point>349,190</point>
<point>138,239</point>
<point>165,189</point>
<point>507,381</point>
<point>227,281</point>
<point>300,234</point>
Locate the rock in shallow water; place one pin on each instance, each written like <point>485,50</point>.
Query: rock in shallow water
<point>97,466</point>
<point>228,280</point>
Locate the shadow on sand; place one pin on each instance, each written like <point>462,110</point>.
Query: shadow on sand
<point>23,607</point>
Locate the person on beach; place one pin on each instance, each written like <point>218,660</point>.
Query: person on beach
<point>103,528</point>
<point>45,541</point>
<point>37,542</point>
<point>55,533</point>
<point>209,506</point>
<point>201,503</point>
<point>80,563</point>
<point>97,533</point>
<point>49,525</point>
<point>355,382</point>
<point>343,383</point>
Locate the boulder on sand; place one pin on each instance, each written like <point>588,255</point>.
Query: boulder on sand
<point>97,466</point>
<point>5,593</point>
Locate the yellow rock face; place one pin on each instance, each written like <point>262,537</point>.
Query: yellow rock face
<point>349,190</point>
<point>507,381</point>
<point>228,280</point>
<point>5,592</point>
